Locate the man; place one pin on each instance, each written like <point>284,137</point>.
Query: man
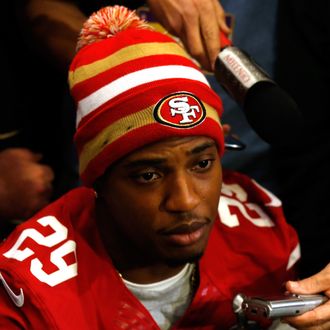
<point>149,247</point>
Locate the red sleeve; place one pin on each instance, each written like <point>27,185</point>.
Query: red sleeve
<point>260,219</point>
<point>26,314</point>
<point>9,317</point>
<point>252,247</point>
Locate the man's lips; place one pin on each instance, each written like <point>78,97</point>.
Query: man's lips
<point>186,233</point>
<point>185,228</point>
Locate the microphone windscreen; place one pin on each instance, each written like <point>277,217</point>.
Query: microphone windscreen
<point>270,111</point>
<point>273,114</point>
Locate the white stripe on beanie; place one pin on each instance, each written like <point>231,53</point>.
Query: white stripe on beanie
<point>135,79</point>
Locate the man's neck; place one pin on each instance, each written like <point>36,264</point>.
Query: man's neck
<point>137,268</point>
<point>150,274</point>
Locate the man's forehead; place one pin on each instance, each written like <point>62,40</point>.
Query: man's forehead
<point>187,145</point>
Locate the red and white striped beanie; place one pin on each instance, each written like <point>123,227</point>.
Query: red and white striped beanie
<point>134,86</point>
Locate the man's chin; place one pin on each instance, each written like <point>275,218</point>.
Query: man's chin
<point>182,260</point>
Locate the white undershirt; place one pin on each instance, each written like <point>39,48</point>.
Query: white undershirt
<point>166,300</point>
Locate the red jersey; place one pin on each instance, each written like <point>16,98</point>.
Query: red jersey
<point>58,275</point>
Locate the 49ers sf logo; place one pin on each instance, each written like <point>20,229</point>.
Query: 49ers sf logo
<point>181,110</point>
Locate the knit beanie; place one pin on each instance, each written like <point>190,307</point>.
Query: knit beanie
<point>134,86</point>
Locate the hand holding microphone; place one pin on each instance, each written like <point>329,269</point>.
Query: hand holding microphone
<point>270,111</point>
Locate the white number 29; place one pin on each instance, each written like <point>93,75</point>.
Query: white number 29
<point>60,234</point>
<point>235,195</point>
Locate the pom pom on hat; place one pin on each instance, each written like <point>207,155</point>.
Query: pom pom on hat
<point>107,22</point>
<point>134,86</point>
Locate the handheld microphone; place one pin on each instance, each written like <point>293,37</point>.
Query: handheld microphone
<point>270,111</point>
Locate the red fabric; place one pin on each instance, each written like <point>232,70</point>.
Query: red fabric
<point>125,38</point>
<point>140,137</point>
<point>98,107</point>
<point>110,74</point>
<point>240,257</point>
<point>130,102</point>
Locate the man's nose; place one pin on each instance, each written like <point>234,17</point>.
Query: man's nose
<point>181,193</point>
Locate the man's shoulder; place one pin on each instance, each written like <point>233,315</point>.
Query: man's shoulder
<point>251,247</point>
<point>251,222</point>
<point>44,244</point>
<point>252,187</point>
<point>39,260</point>
<point>248,200</point>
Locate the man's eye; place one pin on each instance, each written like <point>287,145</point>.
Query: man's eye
<point>203,165</point>
<point>147,177</point>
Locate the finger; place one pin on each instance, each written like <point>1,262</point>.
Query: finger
<point>226,129</point>
<point>319,318</point>
<point>211,39</point>
<point>43,195</point>
<point>192,39</point>
<point>324,326</point>
<point>31,155</point>
<point>221,17</point>
<point>211,14</point>
<point>37,156</point>
<point>319,282</point>
<point>24,154</point>
<point>41,181</point>
<point>48,173</point>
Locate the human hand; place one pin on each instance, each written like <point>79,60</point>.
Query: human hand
<point>55,25</point>
<point>226,129</point>
<point>197,24</point>
<point>25,184</point>
<point>319,318</point>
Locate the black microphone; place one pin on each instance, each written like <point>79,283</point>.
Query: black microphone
<point>270,111</point>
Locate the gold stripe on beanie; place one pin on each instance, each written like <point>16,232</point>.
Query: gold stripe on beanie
<point>112,132</point>
<point>123,55</point>
<point>122,126</point>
